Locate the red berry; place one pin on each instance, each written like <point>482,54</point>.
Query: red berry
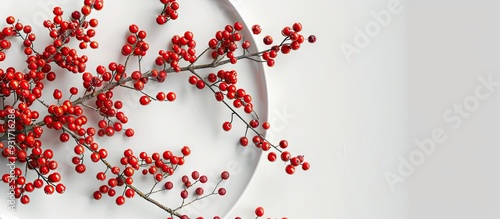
<point>129,132</point>
<point>256,29</point>
<point>161,19</point>
<point>297,27</point>
<point>145,100</point>
<point>268,40</point>
<point>133,28</point>
<point>227,126</point>
<point>171,96</point>
<point>306,166</point>
<point>120,200</point>
<point>160,96</point>
<point>266,125</point>
<point>259,211</point>
<point>186,151</point>
<point>290,169</point>
<point>238,26</point>
<point>283,144</point>
<point>200,84</point>
<point>244,141</point>
<point>224,175</point>
<point>271,156</point>
<point>222,191</point>
<point>311,39</point>
<point>97,195</point>
<point>285,156</point>
<point>80,168</point>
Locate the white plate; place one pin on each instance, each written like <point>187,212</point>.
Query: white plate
<point>194,119</point>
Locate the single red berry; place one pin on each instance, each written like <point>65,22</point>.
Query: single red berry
<point>57,94</point>
<point>311,39</point>
<point>97,195</point>
<point>10,20</point>
<point>25,199</point>
<point>227,126</point>
<point>266,125</point>
<point>285,156</point>
<point>184,194</point>
<point>161,19</point>
<point>186,151</point>
<point>160,96</point>
<point>60,188</point>
<point>169,185</point>
<point>171,96</point>
<point>193,80</point>
<point>203,179</point>
<point>283,144</point>
<point>290,169</point>
<point>268,40</point>
<point>133,28</point>
<point>297,27</point>
<point>129,132</point>
<point>238,26</point>
<point>254,123</point>
<point>256,29</point>
<point>306,166</point>
<point>200,84</point>
<point>271,156</point>
<point>224,175</point>
<point>222,191</point>
<point>145,100</point>
<point>195,175</point>
<point>48,189</point>
<point>259,211</point>
<point>199,191</point>
<point>120,200</point>
<point>80,168</point>
<point>244,141</point>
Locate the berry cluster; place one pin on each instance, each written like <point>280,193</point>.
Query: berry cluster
<point>23,126</point>
<point>225,40</point>
<point>169,11</point>
<point>183,47</point>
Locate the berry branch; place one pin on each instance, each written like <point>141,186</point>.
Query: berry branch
<point>22,126</point>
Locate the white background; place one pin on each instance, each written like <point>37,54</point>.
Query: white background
<point>355,120</point>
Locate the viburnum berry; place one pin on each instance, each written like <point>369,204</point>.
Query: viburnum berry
<point>243,141</point>
<point>259,211</point>
<point>80,168</point>
<point>171,96</point>
<point>60,188</point>
<point>226,126</point>
<point>268,40</point>
<point>271,156</point>
<point>144,100</point>
<point>306,166</point>
<point>169,185</point>
<point>186,151</point>
<point>290,169</point>
<point>221,191</point>
<point>224,175</point>
<point>199,191</point>
<point>25,199</point>
<point>283,144</point>
<point>97,195</point>
<point>311,39</point>
<point>120,200</point>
